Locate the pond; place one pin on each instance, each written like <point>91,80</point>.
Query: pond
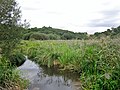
<point>43,78</point>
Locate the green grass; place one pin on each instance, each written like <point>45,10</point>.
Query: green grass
<point>97,61</point>
<point>9,77</point>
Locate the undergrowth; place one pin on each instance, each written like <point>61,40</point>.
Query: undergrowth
<point>9,77</point>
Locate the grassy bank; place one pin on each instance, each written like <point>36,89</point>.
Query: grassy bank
<point>97,61</point>
<point>9,76</point>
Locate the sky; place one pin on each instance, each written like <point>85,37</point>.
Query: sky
<point>74,15</point>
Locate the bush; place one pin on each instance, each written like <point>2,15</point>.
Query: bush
<point>39,36</point>
<point>17,59</point>
<point>53,37</point>
<point>27,36</point>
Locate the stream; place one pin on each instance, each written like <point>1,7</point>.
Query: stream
<point>43,78</point>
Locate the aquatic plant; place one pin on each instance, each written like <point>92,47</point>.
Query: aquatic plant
<point>97,61</point>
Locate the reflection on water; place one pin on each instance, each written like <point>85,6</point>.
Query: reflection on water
<point>48,79</point>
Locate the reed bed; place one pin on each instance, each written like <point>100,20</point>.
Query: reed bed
<point>96,61</point>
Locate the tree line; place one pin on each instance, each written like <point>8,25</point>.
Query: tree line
<point>111,33</point>
<point>49,33</point>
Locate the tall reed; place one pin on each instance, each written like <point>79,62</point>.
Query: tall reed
<point>97,61</point>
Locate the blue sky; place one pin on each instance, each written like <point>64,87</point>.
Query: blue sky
<point>74,15</point>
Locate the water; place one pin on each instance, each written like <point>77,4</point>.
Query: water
<point>42,78</point>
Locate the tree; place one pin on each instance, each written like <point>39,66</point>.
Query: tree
<point>53,36</point>
<point>9,12</point>
<point>39,36</point>
<point>10,34</point>
<point>10,30</point>
<point>68,36</point>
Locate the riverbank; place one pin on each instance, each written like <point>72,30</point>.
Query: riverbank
<point>9,77</point>
<point>96,61</point>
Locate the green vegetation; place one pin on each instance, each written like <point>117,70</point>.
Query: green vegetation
<point>17,59</point>
<point>112,33</point>
<point>49,33</point>
<point>10,35</point>
<point>9,78</point>
<point>97,61</point>
<point>96,58</point>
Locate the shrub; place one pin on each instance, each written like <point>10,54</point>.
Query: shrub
<point>17,59</point>
<point>39,36</point>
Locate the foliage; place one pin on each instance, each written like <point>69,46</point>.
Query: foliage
<point>9,78</point>
<point>39,36</point>
<point>9,12</point>
<point>59,34</point>
<point>55,34</point>
<point>17,59</point>
<point>112,33</point>
<point>97,62</point>
<point>10,35</point>
<point>54,37</point>
<point>9,38</point>
<point>10,30</point>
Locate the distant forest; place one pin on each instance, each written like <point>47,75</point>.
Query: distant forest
<point>49,33</point>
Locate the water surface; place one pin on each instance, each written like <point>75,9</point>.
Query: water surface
<point>42,78</point>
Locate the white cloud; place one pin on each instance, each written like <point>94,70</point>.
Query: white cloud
<point>74,15</point>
